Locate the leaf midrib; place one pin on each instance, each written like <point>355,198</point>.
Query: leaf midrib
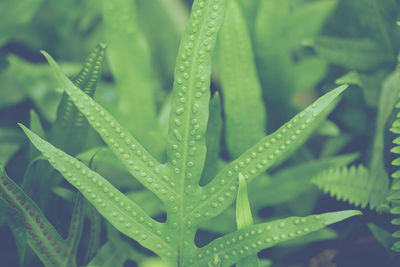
<point>187,123</point>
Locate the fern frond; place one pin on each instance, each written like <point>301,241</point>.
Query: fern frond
<point>70,130</point>
<point>394,194</point>
<point>351,184</point>
<point>42,237</point>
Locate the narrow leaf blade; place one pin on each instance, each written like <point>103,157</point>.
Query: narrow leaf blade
<point>118,209</point>
<point>269,151</point>
<point>137,160</point>
<point>44,240</point>
<point>235,246</point>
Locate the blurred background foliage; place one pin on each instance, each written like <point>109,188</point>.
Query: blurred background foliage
<point>301,49</point>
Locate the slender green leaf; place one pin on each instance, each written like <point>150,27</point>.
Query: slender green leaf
<point>75,228</point>
<point>186,147</point>
<point>244,219</point>
<point>309,72</point>
<point>123,213</point>
<point>269,151</point>
<point>95,232</point>
<point>130,62</point>
<point>36,126</point>
<point>213,141</point>
<point>245,115</point>
<point>70,130</point>
<point>138,161</point>
<point>44,240</point>
<point>235,246</point>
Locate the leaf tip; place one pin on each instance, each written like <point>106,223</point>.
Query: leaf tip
<point>45,54</point>
<point>23,127</point>
<point>334,217</point>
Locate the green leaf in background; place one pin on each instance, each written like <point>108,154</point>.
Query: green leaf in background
<point>309,72</point>
<point>293,181</point>
<point>383,236</point>
<point>42,237</point>
<point>213,140</point>
<point>130,62</point>
<point>329,128</point>
<point>377,17</point>
<point>301,25</point>
<point>354,185</point>
<point>36,125</point>
<point>70,129</point>
<point>245,116</point>
<point>14,16</point>
<point>10,142</point>
<point>163,34</point>
<point>249,11</point>
<point>93,245</point>
<point>32,81</point>
<point>357,54</point>
<point>370,83</point>
<point>280,31</point>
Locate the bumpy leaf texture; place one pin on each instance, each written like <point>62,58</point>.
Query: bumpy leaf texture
<point>176,182</point>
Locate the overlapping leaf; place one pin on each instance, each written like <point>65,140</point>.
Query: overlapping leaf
<point>41,236</point>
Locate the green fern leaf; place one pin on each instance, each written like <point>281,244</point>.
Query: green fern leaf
<point>70,130</point>
<point>138,161</point>
<point>176,183</point>
<point>122,212</point>
<point>44,240</point>
<point>394,194</point>
<point>269,151</point>
<point>235,246</point>
<point>353,185</point>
